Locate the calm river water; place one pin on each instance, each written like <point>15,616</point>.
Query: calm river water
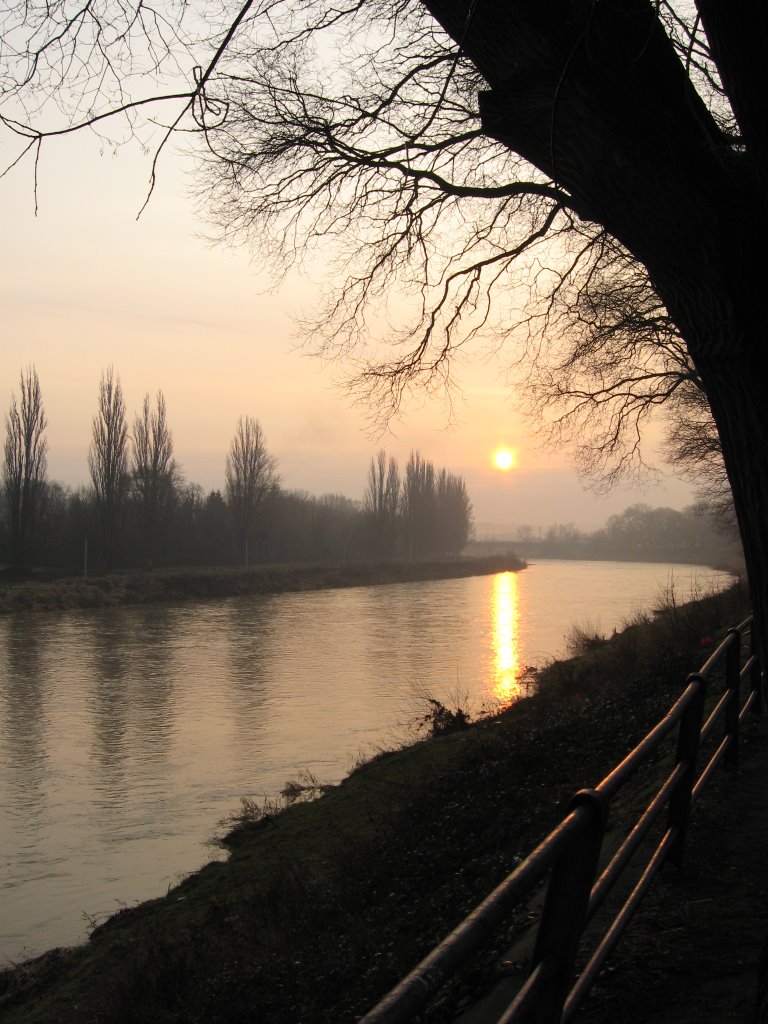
<point>126,734</point>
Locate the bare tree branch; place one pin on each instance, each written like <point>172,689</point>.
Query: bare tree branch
<point>25,463</point>
<point>377,162</point>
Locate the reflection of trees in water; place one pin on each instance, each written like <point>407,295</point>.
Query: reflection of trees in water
<point>131,683</point>
<point>132,665</point>
<point>451,638</point>
<point>141,687</point>
<point>24,691</point>
<point>105,636</point>
<point>392,625</point>
<point>408,627</point>
<point>250,652</point>
<point>153,632</point>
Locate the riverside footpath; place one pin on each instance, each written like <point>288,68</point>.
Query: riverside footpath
<point>691,954</point>
<point>323,905</point>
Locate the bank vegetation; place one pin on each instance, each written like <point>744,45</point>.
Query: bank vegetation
<point>22,592</point>
<point>323,904</point>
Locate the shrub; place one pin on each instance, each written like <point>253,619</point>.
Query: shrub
<point>441,720</point>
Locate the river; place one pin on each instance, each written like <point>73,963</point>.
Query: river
<point>126,734</point>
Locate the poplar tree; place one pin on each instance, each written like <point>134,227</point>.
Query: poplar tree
<point>154,473</point>
<point>486,155</point>
<point>381,503</point>
<point>108,462</point>
<point>25,463</point>
<point>251,474</point>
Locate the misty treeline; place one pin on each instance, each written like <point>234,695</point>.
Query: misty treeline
<point>139,511</point>
<point>697,533</point>
<point>422,512</point>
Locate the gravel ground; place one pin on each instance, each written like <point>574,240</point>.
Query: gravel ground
<point>692,952</point>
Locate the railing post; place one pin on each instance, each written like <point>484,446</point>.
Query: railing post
<point>757,686</point>
<point>732,709</point>
<point>756,679</point>
<point>688,740</point>
<point>565,907</point>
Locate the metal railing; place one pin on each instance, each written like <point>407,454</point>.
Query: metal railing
<point>570,854</point>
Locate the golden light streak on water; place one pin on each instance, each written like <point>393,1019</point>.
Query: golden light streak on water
<point>508,667</point>
<point>127,733</point>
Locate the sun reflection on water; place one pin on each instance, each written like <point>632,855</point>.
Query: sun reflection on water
<point>507,664</point>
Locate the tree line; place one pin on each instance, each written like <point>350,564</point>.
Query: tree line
<point>643,533</point>
<point>447,157</point>
<point>422,513</point>
<point>139,511</point>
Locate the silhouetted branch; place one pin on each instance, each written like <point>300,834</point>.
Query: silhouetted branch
<point>378,162</point>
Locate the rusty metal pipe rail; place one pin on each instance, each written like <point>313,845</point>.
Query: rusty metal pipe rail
<point>571,853</point>
<point>612,871</point>
<point>415,990</point>
<point>589,974</point>
<point>623,771</point>
<point>751,670</point>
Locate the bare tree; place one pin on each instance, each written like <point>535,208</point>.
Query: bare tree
<point>24,468</point>
<point>251,474</point>
<point>692,446</point>
<point>108,461</point>
<point>478,153</point>
<point>154,473</point>
<point>615,359</point>
<point>418,502</point>
<point>381,503</point>
<point>333,518</point>
<point>392,145</point>
<point>600,358</point>
<point>454,513</point>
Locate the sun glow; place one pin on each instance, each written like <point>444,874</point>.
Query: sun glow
<point>506,638</point>
<point>504,459</point>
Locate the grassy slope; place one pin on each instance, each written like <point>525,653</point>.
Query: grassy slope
<point>320,909</point>
<point>191,584</point>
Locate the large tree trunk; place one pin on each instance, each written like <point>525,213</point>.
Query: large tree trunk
<point>596,97</point>
<point>734,385</point>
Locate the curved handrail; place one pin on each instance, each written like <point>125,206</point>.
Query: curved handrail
<point>570,852</point>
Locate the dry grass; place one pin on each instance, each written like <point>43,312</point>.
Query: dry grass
<point>210,584</point>
<point>322,907</point>
<point>676,632</point>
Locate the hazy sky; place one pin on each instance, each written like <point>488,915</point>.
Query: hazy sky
<point>85,285</point>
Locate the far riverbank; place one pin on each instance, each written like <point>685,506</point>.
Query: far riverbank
<point>207,584</point>
<point>322,905</point>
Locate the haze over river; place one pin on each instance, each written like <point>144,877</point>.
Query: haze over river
<point>126,734</point>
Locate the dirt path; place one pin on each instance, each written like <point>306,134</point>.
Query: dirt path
<point>691,954</point>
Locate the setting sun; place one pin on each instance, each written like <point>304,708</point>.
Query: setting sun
<point>504,459</point>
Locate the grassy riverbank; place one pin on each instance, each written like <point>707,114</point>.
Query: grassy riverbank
<point>163,585</point>
<point>321,908</point>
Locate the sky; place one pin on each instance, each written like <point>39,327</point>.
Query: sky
<point>85,285</point>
